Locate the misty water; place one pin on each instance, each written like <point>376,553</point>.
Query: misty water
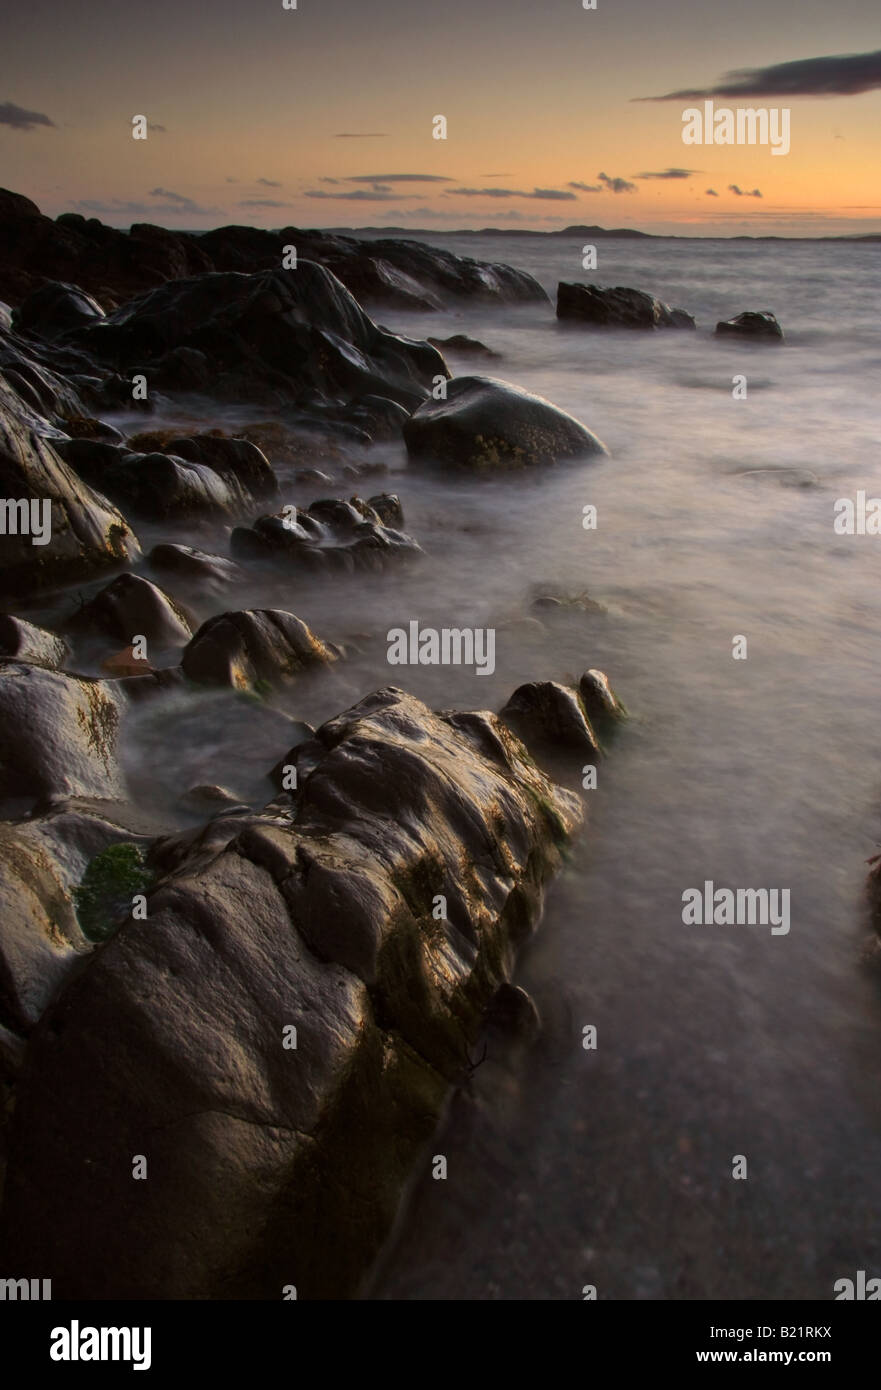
<point>614,1167</point>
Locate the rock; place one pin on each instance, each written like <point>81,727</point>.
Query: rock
<point>126,663</point>
<point>548,716</point>
<point>461,343</point>
<point>387,506</point>
<point>330,534</point>
<point>281,337</point>
<point>193,564</point>
<point>42,860</point>
<point>130,606</point>
<point>57,735</point>
<point>313,475</point>
<point>759,326</point>
<point>246,649</point>
<point>206,799</point>
<point>617,308</point>
<point>601,704</point>
<point>269,1163</point>
<point>380,418</point>
<point>25,642</point>
<point>486,425</point>
<point>55,309</point>
<point>512,1011</point>
<point>83,532</point>
<point>242,466</point>
<point>86,427</point>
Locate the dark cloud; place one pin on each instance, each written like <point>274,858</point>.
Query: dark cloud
<point>588,187</point>
<point>556,195</point>
<point>742,192</point>
<point>157,129</point>
<point>617,185</point>
<point>232,180</point>
<point>261,203</point>
<point>357,195</point>
<point>844,74</point>
<point>669,174</point>
<point>711,193</point>
<point>171,196</point>
<point>391,178</point>
<point>269,183</point>
<point>361,135</point>
<point>174,205</point>
<point>18,119</point>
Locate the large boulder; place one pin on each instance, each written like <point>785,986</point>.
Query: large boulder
<point>26,642</point>
<point>286,337</point>
<point>55,309</point>
<point>58,735</point>
<point>753,325</point>
<point>55,528</point>
<point>617,308</point>
<point>485,425</point>
<point>245,649</point>
<point>278,1039</point>
<point>131,606</point>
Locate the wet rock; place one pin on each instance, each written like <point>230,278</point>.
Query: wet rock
<point>55,309</point>
<point>313,475</point>
<point>246,649</point>
<point>512,1011</point>
<point>207,799</point>
<point>380,418</point>
<point>287,1028</point>
<point>57,734</point>
<point>601,704</point>
<point>387,506</point>
<point>77,531</point>
<point>330,534</point>
<point>547,715</point>
<point>461,343</point>
<point>760,326</point>
<point>486,425</point>
<point>283,337</point>
<point>131,606</point>
<point>25,642</point>
<point>193,564</point>
<point>617,308</point>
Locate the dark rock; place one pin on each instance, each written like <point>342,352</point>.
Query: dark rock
<point>271,1165</point>
<point>131,606</point>
<point>195,565</point>
<point>330,534</point>
<point>601,704</point>
<point>759,326</point>
<point>55,309</point>
<point>85,533</point>
<point>287,337</point>
<point>25,642</point>
<point>381,419</point>
<point>617,308</point>
<point>547,715</point>
<point>57,734</point>
<point>461,343</point>
<point>512,1011</point>
<point>387,506</point>
<point>248,648</point>
<point>486,425</point>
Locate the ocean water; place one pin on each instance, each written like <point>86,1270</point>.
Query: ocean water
<point>614,1167</point>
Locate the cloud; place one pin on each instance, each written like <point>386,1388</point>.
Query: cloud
<point>361,135</point>
<point>18,119</point>
<point>358,195</point>
<point>844,74</point>
<point>174,205</point>
<point>669,174</point>
<point>391,178</point>
<point>555,195</point>
<point>261,203</point>
<point>617,185</point>
<point>232,180</point>
<point>711,193</point>
<point>172,197</point>
<point>742,192</point>
<point>269,183</point>
<point>588,187</point>
<point>158,129</point>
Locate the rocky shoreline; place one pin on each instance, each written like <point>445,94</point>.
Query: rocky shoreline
<point>267,1008</point>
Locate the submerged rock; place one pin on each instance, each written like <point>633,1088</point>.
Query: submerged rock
<point>547,715</point>
<point>760,325</point>
<point>485,425</point>
<point>131,606</point>
<point>246,649</point>
<point>286,1024</point>
<point>617,308</point>
<point>601,704</point>
<point>461,343</point>
<point>330,534</point>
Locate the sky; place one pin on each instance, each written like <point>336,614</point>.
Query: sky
<point>324,115</point>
